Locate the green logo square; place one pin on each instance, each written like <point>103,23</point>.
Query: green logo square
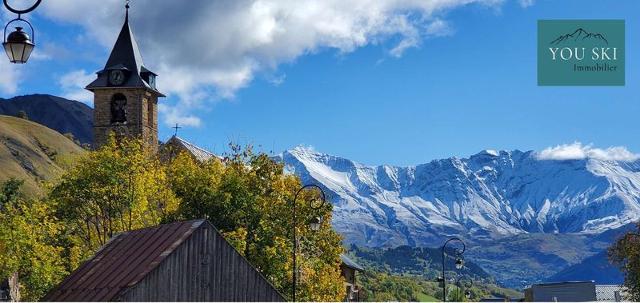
<point>581,53</point>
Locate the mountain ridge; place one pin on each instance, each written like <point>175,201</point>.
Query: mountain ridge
<point>60,114</point>
<point>489,194</point>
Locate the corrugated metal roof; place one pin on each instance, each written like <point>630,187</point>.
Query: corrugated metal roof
<point>122,262</point>
<point>608,293</point>
<point>200,154</point>
<point>350,263</point>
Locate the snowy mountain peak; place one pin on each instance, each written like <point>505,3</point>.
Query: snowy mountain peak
<point>489,195</point>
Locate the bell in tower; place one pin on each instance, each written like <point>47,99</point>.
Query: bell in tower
<point>125,94</point>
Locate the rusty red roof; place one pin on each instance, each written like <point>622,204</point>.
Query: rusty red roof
<point>124,261</point>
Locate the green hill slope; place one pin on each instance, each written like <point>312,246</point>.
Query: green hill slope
<point>32,152</point>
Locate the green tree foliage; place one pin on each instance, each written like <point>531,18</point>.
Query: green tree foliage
<point>123,186</point>
<point>625,252</point>
<point>22,115</point>
<point>383,286</point>
<point>28,233</point>
<point>248,198</point>
<point>10,191</point>
<point>379,286</point>
<point>120,187</point>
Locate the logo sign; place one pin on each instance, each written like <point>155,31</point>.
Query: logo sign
<point>581,53</point>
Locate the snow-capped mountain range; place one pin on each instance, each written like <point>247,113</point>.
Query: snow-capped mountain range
<point>490,195</point>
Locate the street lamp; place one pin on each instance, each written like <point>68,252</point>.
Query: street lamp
<point>18,45</point>
<point>459,263</point>
<point>314,224</point>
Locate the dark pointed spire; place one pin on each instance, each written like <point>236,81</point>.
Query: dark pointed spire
<point>126,16</point>
<point>124,56</point>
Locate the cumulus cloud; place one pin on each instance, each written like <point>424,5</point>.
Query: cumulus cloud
<point>577,151</point>
<point>73,84</point>
<point>175,115</point>
<point>220,46</point>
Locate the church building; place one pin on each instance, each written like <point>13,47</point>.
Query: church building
<point>125,94</point>
<point>126,104</point>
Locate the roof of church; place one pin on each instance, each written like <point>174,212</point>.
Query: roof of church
<point>199,153</point>
<point>124,56</point>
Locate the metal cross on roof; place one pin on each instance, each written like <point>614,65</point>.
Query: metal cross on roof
<point>177,127</point>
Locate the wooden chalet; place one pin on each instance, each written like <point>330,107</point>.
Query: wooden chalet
<point>183,261</point>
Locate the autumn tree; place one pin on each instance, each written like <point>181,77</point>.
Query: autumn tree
<point>28,242</point>
<point>121,186</point>
<point>248,197</point>
<point>625,253</point>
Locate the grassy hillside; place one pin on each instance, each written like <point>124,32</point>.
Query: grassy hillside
<point>62,115</point>
<point>32,152</point>
<point>418,261</point>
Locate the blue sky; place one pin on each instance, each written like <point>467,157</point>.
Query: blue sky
<point>469,86</point>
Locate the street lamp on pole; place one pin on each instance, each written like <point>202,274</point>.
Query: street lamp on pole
<point>18,45</point>
<point>314,224</point>
<point>459,262</point>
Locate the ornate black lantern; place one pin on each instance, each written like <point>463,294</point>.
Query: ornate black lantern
<point>18,44</point>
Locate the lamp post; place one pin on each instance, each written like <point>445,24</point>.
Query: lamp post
<point>314,224</point>
<point>459,263</point>
<point>18,45</point>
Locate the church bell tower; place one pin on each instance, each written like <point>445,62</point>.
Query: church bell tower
<point>125,94</point>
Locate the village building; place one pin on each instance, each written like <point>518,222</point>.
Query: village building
<point>349,268</point>
<point>176,145</point>
<point>573,291</point>
<point>183,261</point>
<point>9,289</point>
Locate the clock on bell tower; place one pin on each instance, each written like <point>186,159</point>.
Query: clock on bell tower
<point>125,94</point>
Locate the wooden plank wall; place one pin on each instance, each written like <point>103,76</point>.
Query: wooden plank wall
<point>204,268</point>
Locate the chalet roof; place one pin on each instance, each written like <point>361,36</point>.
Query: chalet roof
<point>350,263</point>
<point>199,153</point>
<point>124,261</point>
<point>126,56</point>
<point>607,293</point>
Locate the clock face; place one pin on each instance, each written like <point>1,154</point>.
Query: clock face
<point>116,77</point>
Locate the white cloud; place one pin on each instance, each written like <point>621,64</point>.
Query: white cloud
<point>174,115</point>
<point>10,75</point>
<point>577,151</point>
<point>220,46</point>
<point>527,3</point>
<point>73,84</point>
